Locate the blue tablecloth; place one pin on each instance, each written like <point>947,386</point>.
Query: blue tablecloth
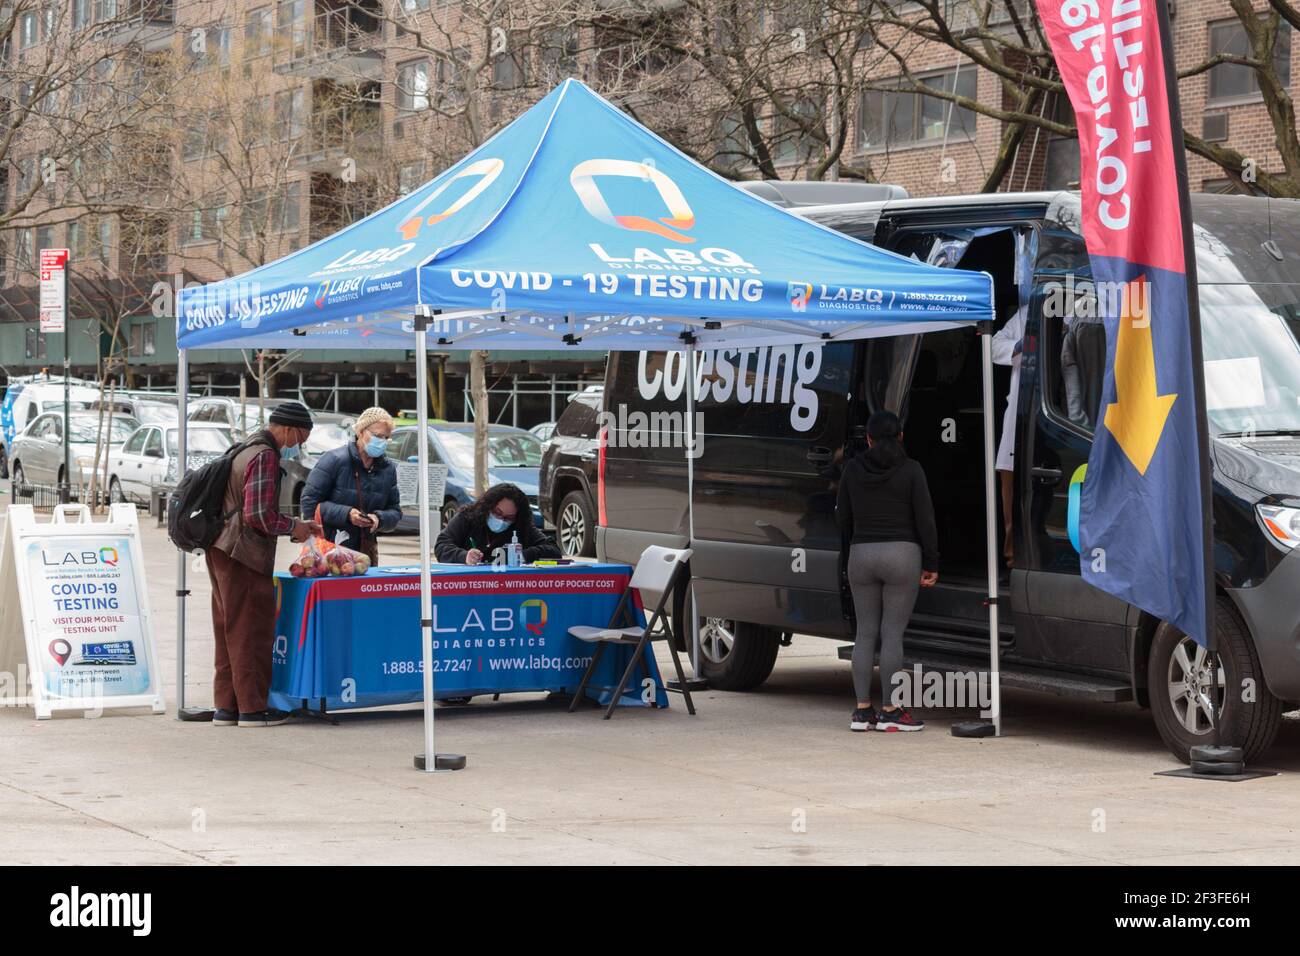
<point>356,641</point>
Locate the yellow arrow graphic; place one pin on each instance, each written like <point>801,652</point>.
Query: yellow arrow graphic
<point>1138,415</point>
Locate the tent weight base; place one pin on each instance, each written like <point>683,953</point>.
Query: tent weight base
<point>196,715</point>
<point>441,762</point>
<point>974,728</point>
<point>691,684</point>
<point>1229,777</point>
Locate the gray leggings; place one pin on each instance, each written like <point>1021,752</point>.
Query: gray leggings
<point>884,577</point>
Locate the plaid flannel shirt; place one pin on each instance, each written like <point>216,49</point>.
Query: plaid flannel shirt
<point>260,486</point>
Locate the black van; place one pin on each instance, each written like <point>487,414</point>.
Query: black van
<point>766,543</point>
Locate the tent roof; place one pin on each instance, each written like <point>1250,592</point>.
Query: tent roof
<point>575,226</point>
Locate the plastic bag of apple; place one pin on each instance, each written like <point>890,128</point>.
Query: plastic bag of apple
<point>320,558</point>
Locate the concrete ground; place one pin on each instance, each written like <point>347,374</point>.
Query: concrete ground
<point>772,776</point>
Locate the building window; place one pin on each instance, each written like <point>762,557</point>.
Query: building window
<point>413,85</point>
<point>205,134</point>
<point>291,19</point>
<point>1234,81</point>
<point>284,207</point>
<point>105,240</point>
<point>80,13</point>
<point>560,53</point>
<point>24,181</point>
<point>289,113</point>
<point>257,117</point>
<point>897,117</point>
<point>45,238</point>
<point>791,140</point>
<point>409,177</point>
<point>24,260</point>
<point>509,70</point>
<point>143,339</point>
<point>35,344</point>
<point>451,76</point>
<point>27,29</point>
<point>74,240</point>
<point>258,30</point>
<point>105,10</point>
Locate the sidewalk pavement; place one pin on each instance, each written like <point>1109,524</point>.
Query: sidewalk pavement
<point>772,776</point>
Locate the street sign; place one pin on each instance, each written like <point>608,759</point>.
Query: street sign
<point>54,285</point>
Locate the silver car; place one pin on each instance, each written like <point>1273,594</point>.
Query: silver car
<point>37,454</point>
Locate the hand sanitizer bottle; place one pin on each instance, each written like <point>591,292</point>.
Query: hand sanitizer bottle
<point>516,550</point>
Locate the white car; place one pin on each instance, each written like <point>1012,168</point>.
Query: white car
<point>37,454</point>
<point>149,458</point>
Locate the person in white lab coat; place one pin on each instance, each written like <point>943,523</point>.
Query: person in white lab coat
<point>1007,345</point>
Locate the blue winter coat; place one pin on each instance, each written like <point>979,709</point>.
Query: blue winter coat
<point>332,484</point>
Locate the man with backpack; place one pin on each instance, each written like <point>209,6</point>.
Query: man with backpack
<point>241,566</point>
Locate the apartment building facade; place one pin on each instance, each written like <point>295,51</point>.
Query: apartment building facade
<point>281,122</point>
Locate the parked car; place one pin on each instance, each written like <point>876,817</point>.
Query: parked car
<point>567,478</point>
<point>763,484</point>
<point>29,396</point>
<point>151,410</point>
<point>38,451</point>
<point>513,455</point>
<point>150,457</point>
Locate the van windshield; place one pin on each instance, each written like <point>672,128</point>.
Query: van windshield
<point>1251,338</point>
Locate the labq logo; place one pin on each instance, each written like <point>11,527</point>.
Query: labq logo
<point>105,555</point>
<point>540,613</point>
<point>681,217</point>
<point>336,287</point>
<point>487,170</point>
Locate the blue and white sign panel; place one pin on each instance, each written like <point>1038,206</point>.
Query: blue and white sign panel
<point>74,598</point>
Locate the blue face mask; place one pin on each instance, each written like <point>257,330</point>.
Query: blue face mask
<point>498,524</point>
<point>289,453</point>
<point>376,446</point>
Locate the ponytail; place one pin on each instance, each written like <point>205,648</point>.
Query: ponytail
<point>885,429</point>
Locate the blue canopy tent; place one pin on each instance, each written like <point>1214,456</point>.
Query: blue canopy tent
<point>575,227</point>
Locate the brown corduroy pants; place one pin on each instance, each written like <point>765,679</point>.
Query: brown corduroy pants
<point>243,624</point>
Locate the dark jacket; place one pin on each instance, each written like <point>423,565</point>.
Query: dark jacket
<point>462,533</point>
<point>332,484</point>
<point>886,498</point>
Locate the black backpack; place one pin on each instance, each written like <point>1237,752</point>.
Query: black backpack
<point>195,515</point>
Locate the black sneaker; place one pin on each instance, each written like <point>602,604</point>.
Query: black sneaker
<point>863,718</point>
<point>894,721</point>
<point>225,718</point>
<point>264,718</point>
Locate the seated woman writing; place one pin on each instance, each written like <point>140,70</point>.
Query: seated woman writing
<point>482,527</point>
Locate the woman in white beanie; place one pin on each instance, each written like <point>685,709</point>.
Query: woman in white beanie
<point>355,486</point>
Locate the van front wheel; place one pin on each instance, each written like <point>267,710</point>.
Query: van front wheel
<point>1179,687</point>
<point>736,655</point>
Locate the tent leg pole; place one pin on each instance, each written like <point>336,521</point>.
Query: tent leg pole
<point>182,389</point>
<point>696,681</point>
<point>430,760</point>
<point>990,524</point>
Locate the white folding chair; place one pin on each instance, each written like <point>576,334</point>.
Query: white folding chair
<point>658,569</point>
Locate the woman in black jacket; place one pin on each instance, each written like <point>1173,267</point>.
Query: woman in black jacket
<point>884,509</point>
<point>356,486</point>
<point>481,527</point>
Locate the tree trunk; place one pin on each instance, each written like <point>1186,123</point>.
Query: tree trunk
<point>478,391</point>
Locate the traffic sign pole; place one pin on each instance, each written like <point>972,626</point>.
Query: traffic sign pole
<point>54,318</point>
